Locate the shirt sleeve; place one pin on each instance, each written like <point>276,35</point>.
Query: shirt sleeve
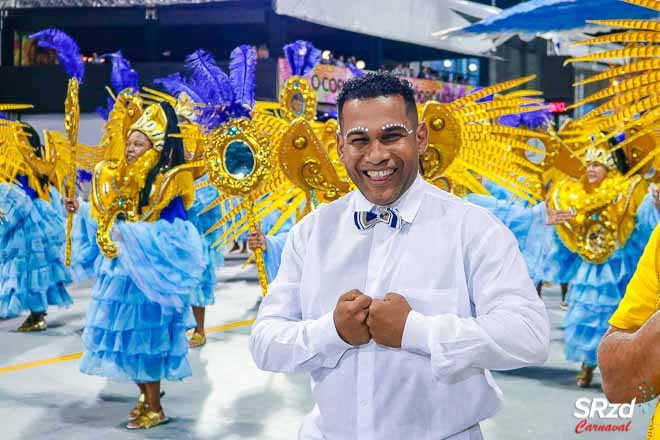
<point>281,340</point>
<point>640,300</point>
<point>509,328</point>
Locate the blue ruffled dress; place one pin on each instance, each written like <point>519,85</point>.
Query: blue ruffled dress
<point>86,256</point>
<point>560,263</point>
<point>596,289</point>
<point>275,243</point>
<point>214,259</point>
<point>32,235</point>
<point>136,321</point>
<point>528,225</point>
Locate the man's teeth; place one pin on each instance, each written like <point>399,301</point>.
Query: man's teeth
<point>380,174</point>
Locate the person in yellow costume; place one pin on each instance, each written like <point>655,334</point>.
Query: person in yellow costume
<point>629,350</point>
<point>614,218</point>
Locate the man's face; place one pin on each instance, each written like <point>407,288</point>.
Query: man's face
<point>380,147</point>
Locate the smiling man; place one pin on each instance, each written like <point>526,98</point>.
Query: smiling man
<point>397,298</point>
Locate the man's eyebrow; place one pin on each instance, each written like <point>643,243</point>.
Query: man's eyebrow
<point>395,127</point>
<point>357,130</point>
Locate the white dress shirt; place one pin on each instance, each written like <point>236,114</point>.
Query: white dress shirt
<point>474,309</point>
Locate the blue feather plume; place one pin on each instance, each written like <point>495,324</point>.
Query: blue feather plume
<point>123,75</point>
<point>208,78</point>
<point>242,74</point>
<point>104,112</point>
<point>68,52</point>
<point>534,119</point>
<point>302,57</point>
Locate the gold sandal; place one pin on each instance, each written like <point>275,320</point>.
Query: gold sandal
<point>585,376</point>
<point>197,340</point>
<point>138,410</point>
<point>148,419</point>
<point>32,326</point>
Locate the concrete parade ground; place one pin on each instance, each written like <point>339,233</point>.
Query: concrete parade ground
<point>44,396</point>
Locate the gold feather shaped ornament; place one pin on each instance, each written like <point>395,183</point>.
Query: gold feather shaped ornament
<point>466,141</point>
<point>625,118</point>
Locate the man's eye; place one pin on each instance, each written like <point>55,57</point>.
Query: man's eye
<point>391,138</point>
<point>359,142</point>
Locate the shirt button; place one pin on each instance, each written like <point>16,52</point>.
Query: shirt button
<point>363,402</point>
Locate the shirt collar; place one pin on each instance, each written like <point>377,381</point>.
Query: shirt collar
<point>407,205</point>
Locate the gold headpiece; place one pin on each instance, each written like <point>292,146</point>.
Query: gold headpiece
<point>599,156</point>
<point>152,124</point>
<point>185,107</point>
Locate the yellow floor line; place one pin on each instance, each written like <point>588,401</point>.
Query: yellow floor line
<point>73,356</point>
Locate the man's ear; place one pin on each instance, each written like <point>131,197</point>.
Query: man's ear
<point>422,137</point>
<point>340,144</point>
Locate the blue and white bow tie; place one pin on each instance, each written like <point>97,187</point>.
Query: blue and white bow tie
<point>367,219</point>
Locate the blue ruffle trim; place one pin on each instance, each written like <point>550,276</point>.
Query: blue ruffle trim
<point>560,263</point>
<point>164,260</point>
<point>584,329</point>
<point>13,304</point>
<point>204,296</point>
<point>593,296</point>
<point>129,338</point>
<point>32,272</point>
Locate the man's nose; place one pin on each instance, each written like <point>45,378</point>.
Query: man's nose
<point>377,152</point>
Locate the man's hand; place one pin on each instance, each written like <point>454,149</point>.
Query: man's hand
<point>656,196</point>
<point>557,216</point>
<point>256,239</point>
<point>387,319</point>
<point>350,317</point>
<point>71,204</point>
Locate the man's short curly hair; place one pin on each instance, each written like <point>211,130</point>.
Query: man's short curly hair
<point>375,85</point>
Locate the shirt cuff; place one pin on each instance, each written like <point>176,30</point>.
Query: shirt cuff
<point>416,332</point>
<point>323,334</point>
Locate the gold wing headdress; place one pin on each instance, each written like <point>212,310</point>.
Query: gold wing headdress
<point>466,140</point>
<point>630,103</point>
<point>18,156</point>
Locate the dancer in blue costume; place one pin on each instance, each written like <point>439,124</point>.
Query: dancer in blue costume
<point>204,296</point>
<point>615,218</point>
<point>136,322</point>
<point>32,271</point>
<point>271,245</point>
<point>529,224</point>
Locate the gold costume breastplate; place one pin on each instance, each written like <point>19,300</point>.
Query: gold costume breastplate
<point>604,216</point>
<point>116,190</point>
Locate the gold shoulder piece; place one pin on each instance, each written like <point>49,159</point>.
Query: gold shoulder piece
<point>306,163</point>
<point>444,139</point>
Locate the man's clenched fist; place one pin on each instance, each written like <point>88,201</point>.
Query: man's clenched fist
<point>387,319</point>
<point>350,317</point>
